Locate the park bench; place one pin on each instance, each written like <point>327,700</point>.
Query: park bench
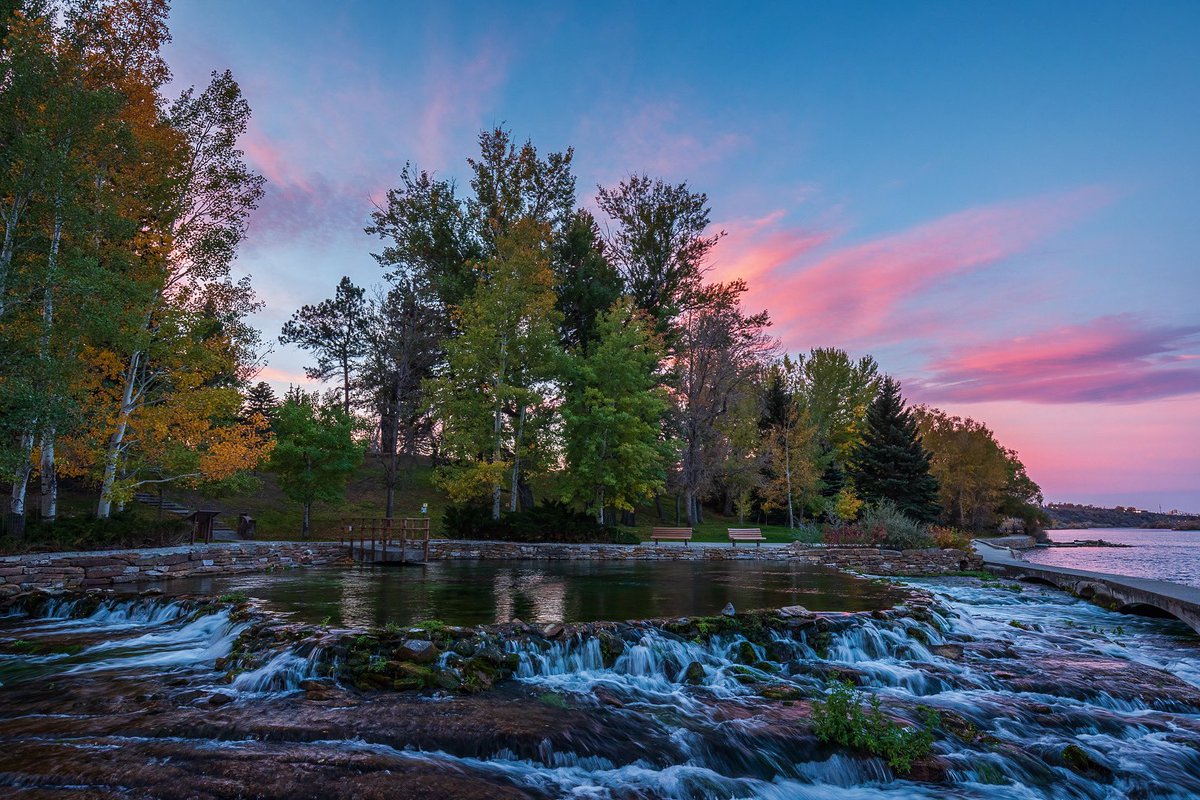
<point>746,535</point>
<point>671,535</point>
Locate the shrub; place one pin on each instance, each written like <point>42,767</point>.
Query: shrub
<point>129,528</point>
<point>842,719</point>
<point>893,528</point>
<point>550,521</point>
<point>950,538</point>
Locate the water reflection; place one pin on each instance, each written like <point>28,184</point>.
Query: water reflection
<point>483,592</point>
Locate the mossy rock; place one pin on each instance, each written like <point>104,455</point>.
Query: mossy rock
<point>1076,759</point>
<point>745,653</point>
<point>783,693</point>
<point>694,673</point>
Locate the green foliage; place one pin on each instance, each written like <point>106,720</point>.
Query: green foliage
<point>130,528</point>
<point>336,332</point>
<point>842,719</point>
<point>889,463</point>
<point>493,402</point>
<point>897,529</point>
<point>315,452</point>
<point>549,521</point>
<point>613,416</point>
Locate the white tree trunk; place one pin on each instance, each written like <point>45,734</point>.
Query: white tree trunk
<point>16,502</point>
<point>516,470</point>
<point>49,476</point>
<point>116,441</point>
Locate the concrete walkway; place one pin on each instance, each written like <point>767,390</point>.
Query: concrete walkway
<point>1119,592</point>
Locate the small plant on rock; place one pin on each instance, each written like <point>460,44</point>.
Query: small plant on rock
<point>843,719</point>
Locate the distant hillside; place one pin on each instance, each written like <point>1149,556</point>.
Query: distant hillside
<point>1070,515</point>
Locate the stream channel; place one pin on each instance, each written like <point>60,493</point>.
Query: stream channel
<point>178,695</point>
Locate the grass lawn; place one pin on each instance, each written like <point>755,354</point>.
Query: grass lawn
<point>279,518</point>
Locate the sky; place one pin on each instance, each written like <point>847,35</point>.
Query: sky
<point>999,201</point>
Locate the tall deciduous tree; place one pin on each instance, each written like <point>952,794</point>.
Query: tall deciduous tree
<point>337,332</point>
<point>836,392</point>
<point>890,463</point>
<point>405,347</point>
<point>793,458</point>
<point>315,452</point>
<point>491,401</point>
<point>613,416</point>
<point>660,242</point>
<point>719,351</point>
<point>586,283</point>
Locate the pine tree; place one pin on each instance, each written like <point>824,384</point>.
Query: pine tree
<point>890,463</point>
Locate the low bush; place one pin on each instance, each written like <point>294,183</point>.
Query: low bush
<point>950,538</point>
<point>550,521</point>
<point>130,528</point>
<point>882,524</point>
<point>842,719</point>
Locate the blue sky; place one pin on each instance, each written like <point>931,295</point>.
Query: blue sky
<point>999,201</point>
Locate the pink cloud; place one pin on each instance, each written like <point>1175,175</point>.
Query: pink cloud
<point>858,293</point>
<point>457,92</point>
<point>755,248</point>
<point>1115,359</point>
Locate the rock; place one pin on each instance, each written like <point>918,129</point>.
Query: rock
<point>219,699</point>
<point>608,697</point>
<point>746,654</point>
<point>553,630</point>
<point>792,611</point>
<point>694,673</point>
<point>954,652</point>
<point>421,651</point>
<point>729,610</point>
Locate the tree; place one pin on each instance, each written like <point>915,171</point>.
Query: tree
<point>260,406</point>
<point>493,400</point>
<point>660,244</point>
<point>836,392</point>
<point>794,467</point>
<point>315,452</point>
<point>719,352</point>
<point>405,340</point>
<point>613,415</point>
<point>336,331</point>
<point>586,284</point>
<point>433,243</point>
<point>890,462</point>
<point>186,286</point>
<point>978,479</point>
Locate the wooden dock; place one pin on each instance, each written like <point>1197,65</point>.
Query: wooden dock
<point>387,541</point>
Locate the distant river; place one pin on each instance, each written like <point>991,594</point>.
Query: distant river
<point>1162,555</point>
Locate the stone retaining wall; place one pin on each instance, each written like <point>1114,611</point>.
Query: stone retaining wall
<point>872,560</point>
<point>113,567</point>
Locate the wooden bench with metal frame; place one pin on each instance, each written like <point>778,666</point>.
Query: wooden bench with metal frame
<point>671,535</point>
<point>746,535</point>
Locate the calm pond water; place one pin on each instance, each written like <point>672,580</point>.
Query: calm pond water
<point>1161,555</point>
<point>484,592</point>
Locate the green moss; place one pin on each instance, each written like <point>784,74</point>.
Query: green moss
<point>553,699</point>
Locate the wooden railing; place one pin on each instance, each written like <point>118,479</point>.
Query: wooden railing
<point>371,533</point>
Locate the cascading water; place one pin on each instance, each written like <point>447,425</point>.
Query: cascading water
<point>1040,696</point>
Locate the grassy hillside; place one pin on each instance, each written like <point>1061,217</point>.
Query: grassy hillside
<point>279,518</point>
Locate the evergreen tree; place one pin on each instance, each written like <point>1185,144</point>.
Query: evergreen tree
<point>260,404</point>
<point>337,332</point>
<point>890,463</point>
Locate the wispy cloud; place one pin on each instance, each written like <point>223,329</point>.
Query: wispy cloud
<point>860,293</point>
<point>457,93</point>
<point>1114,359</point>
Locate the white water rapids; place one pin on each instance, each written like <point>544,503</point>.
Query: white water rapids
<point>1021,674</point>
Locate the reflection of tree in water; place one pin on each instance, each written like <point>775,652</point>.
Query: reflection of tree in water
<point>529,595</point>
